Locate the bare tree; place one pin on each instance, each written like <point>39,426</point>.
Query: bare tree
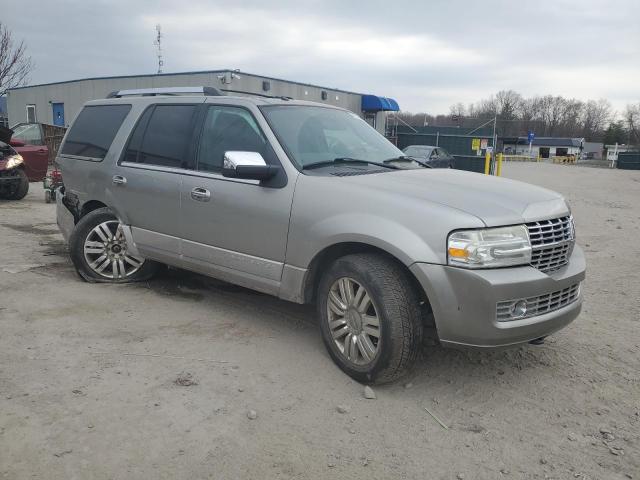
<point>632,117</point>
<point>595,117</point>
<point>15,64</point>
<point>457,110</point>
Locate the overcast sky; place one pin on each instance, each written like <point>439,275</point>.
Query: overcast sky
<point>427,55</point>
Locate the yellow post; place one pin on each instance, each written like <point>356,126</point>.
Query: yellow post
<point>487,163</point>
<point>499,167</point>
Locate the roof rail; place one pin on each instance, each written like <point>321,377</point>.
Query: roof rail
<point>263,95</point>
<point>152,92</point>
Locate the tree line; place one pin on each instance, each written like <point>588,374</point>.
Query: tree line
<point>547,116</point>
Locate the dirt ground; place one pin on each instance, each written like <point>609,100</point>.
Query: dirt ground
<point>156,380</point>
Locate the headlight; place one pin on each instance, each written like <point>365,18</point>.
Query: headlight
<point>490,247</point>
<point>14,161</point>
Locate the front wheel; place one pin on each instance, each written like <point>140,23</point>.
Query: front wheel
<point>370,317</point>
<point>16,189</point>
<point>99,251</point>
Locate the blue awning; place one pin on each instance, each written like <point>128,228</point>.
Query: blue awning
<point>373,103</point>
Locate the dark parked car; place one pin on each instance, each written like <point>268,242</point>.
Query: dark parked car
<point>14,183</point>
<point>435,157</point>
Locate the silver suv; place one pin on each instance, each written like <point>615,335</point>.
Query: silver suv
<point>307,202</point>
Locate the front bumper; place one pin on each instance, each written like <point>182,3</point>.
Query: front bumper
<point>464,301</point>
<point>64,218</point>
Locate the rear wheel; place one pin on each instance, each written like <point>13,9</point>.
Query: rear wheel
<point>370,317</point>
<point>16,189</point>
<point>100,253</point>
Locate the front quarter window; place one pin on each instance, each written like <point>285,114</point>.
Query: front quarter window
<point>314,134</point>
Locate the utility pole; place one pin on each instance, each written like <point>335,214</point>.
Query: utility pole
<point>495,139</point>
<point>157,43</point>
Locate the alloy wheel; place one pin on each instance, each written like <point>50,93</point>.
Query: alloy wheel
<point>353,321</point>
<point>105,250</point>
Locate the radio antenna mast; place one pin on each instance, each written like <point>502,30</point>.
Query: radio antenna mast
<point>157,43</point>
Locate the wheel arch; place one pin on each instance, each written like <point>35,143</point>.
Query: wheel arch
<point>91,205</point>
<point>323,259</point>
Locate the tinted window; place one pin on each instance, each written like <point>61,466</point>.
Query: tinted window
<point>229,129</point>
<point>135,141</point>
<point>94,130</point>
<point>166,139</point>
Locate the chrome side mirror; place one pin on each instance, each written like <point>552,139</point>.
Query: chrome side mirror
<point>247,165</point>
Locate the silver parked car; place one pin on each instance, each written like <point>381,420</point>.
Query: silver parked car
<point>309,203</point>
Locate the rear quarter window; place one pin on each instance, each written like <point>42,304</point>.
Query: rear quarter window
<point>94,130</point>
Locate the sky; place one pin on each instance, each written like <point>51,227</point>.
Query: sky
<point>426,54</point>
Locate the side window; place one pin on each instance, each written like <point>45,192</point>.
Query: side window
<point>166,139</point>
<point>94,130</point>
<point>227,129</point>
<point>135,141</point>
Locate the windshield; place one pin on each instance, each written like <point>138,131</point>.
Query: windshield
<point>318,134</point>
<point>28,133</point>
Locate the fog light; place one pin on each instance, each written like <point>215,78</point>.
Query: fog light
<point>519,309</point>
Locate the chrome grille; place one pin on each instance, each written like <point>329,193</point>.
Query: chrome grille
<point>552,242</point>
<point>539,305</point>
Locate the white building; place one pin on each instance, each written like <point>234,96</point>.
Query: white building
<point>58,103</point>
<point>543,147</point>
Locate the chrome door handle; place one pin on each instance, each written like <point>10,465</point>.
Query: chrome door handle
<point>119,180</point>
<point>201,194</point>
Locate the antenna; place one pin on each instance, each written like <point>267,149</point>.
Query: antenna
<point>157,43</point>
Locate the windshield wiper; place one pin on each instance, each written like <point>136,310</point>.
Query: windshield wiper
<point>340,160</point>
<point>405,158</point>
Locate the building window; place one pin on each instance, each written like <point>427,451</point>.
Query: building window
<point>370,118</point>
<point>31,114</point>
<point>323,95</point>
<point>266,85</point>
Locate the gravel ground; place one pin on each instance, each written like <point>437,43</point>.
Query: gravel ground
<point>187,377</point>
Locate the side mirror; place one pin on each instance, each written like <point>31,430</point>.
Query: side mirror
<point>248,166</point>
<point>14,142</point>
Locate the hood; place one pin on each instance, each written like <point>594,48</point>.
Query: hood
<point>5,134</point>
<point>495,201</point>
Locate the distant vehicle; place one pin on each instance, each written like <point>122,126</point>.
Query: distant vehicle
<point>14,183</point>
<point>28,141</point>
<point>435,157</point>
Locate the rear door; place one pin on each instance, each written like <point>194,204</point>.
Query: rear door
<point>147,180</point>
<point>235,229</point>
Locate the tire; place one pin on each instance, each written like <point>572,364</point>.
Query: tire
<point>18,189</point>
<point>393,301</point>
<point>99,253</point>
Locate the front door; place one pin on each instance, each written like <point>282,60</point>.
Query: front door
<point>58,114</point>
<point>234,229</point>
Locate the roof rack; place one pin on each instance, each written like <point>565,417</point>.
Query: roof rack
<point>263,95</point>
<point>152,92</point>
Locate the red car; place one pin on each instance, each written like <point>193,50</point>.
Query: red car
<point>28,141</point>
<point>22,160</point>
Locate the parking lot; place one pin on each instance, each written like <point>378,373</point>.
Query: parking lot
<point>160,379</point>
